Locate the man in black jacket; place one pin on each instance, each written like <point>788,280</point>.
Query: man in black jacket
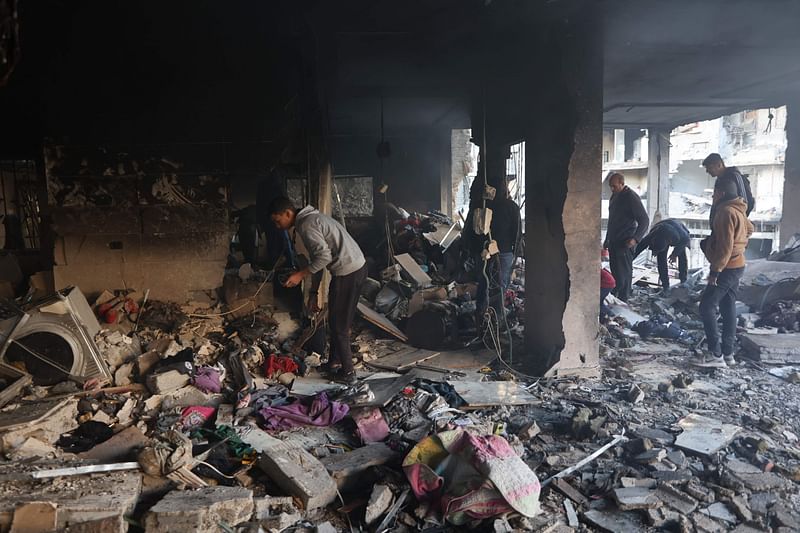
<point>669,232</point>
<point>627,224</point>
<point>716,168</point>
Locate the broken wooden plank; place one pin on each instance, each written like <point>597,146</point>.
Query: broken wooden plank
<point>347,469</point>
<point>19,380</point>
<point>379,320</point>
<point>569,491</point>
<point>703,435</point>
<point>403,359</point>
<point>413,270</point>
<point>480,394</point>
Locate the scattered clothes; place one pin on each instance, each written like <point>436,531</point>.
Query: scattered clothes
<point>658,328</point>
<point>207,379</point>
<point>278,364</point>
<point>182,361</point>
<point>319,412</point>
<point>85,437</point>
<point>272,396</point>
<point>468,477</point>
<point>444,389</point>
<point>196,416</point>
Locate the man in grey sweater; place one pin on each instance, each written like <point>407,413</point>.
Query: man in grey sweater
<point>329,246</point>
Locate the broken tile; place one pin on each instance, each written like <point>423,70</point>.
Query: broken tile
<point>631,498</point>
<point>676,499</point>
<point>719,511</point>
<point>705,436</point>
<point>646,483</point>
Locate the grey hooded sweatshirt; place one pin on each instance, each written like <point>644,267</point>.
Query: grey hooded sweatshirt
<point>328,243</point>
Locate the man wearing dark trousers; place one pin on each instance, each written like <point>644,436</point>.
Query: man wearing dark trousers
<point>627,224</point>
<point>329,246</point>
<point>662,235</point>
<point>724,248</point>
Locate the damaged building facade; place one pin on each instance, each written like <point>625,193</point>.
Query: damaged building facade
<point>153,359</point>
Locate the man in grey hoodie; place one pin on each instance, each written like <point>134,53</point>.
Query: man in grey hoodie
<point>329,246</point>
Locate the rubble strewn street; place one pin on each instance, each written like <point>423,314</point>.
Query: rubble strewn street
<point>215,421</point>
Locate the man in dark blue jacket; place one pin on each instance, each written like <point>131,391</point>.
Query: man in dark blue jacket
<point>669,232</point>
<point>627,224</point>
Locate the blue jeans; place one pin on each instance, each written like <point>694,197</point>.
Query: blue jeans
<point>505,262</point>
<point>604,310</point>
<point>721,296</point>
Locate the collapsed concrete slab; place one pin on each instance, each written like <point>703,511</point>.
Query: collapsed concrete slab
<point>200,510</point>
<point>779,348</point>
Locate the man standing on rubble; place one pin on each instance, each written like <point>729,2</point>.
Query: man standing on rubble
<point>506,229</point>
<point>662,235</point>
<point>627,224</point>
<point>716,168</point>
<point>724,248</point>
<point>329,246</point>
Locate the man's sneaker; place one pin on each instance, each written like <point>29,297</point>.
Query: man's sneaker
<point>710,360</point>
<point>729,360</point>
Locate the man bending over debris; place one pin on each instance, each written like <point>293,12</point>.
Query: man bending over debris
<point>669,232</point>
<point>724,248</point>
<point>329,246</point>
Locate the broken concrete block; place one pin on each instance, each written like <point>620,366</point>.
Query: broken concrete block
<point>719,511</point>
<point>199,510</point>
<point>741,508</point>
<point>293,469</point>
<point>646,483</point>
<point>123,374</point>
<point>632,498</point>
<point>111,523</point>
<point>280,522</point>
<point>529,431</point>
<point>125,412</point>
<point>614,521</point>
<point>656,435</point>
<point>783,348</point>
<point>705,524</point>
<point>190,395</point>
<point>103,418</point>
<point>166,381</point>
<point>348,469</point>
<point>676,499</point>
<point>34,517</point>
<point>270,506</point>
<point>651,457</point>
<point>379,502</point>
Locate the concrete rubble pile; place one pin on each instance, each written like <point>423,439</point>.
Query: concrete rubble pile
<point>198,418</point>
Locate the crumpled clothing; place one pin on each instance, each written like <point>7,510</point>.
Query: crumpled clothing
<point>657,328</point>
<point>85,437</point>
<point>171,452</point>
<point>207,379</point>
<point>467,477</point>
<point>272,396</point>
<point>196,416</point>
<point>279,364</point>
<point>319,412</point>
<point>444,389</point>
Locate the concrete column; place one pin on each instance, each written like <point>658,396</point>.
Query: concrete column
<point>563,171</point>
<point>790,221</point>
<point>445,173</point>
<point>658,174</point>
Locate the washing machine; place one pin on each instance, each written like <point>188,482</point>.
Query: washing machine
<point>53,337</point>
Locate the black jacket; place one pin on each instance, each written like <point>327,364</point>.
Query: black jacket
<point>742,186</point>
<point>669,232</point>
<point>627,218</point>
<point>506,223</point>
